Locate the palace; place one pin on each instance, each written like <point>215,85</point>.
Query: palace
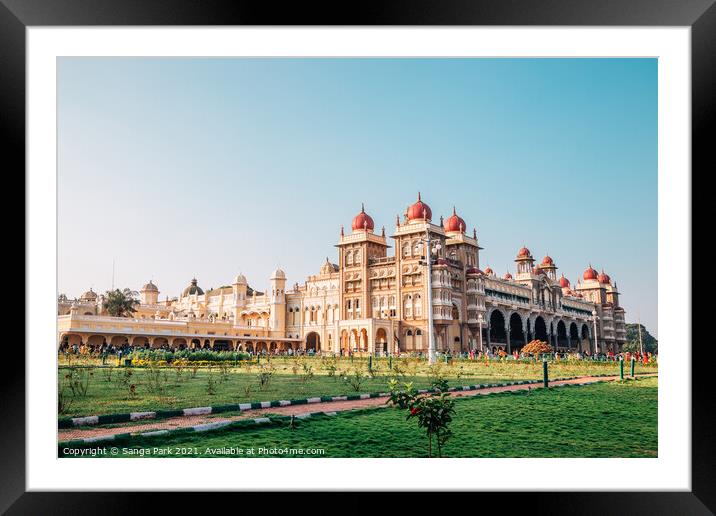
<point>372,302</point>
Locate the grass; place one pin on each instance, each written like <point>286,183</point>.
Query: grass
<point>615,419</point>
<point>107,394</point>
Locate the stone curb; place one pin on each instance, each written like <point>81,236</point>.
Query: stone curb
<point>269,421</point>
<point>126,417</point>
<point>206,427</point>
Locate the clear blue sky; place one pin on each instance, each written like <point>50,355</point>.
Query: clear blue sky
<point>208,167</point>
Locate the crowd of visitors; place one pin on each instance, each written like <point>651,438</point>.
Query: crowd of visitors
<point>109,350</point>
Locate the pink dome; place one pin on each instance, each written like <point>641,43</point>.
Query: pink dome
<point>454,223</point>
<point>362,221</point>
<point>563,282</point>
<point>603,277</point>
<point>589,273</point>
<point>419,209</point>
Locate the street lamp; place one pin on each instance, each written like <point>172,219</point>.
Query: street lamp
<point>596,339</point>
<point>432,351</point>
<point>480,320</point>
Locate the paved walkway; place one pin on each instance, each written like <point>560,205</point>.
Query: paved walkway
<point>328,406</point>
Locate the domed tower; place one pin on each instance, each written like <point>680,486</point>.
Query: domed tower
<point>355,253</point>
<point>525,261</point>
<point>277,320</point>
<point>239,287</point>
<point>363,221</point>
<point>454,223</point>
<point>460,246</point>
<point>89,297</point>
<point>591,288</point>
<point>149,294</point>
<point>611,288</point>
<point>564,284</point>
<point>193,289</point>
<point>549,267</point>
<point>419,211</point>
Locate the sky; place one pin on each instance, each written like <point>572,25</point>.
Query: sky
<point>175,168</point>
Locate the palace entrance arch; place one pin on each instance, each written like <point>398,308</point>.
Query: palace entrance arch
<point>313,342</point>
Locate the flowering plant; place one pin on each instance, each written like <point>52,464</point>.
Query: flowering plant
<point>536,347</point>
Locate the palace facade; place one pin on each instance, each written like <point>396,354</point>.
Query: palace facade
<point>370,301</point>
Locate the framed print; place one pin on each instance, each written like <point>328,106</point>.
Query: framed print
<point>419,248</point>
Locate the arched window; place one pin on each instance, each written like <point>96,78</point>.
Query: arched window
<point>406,249</point>
<point>418,339</point>
<point>417,306</point>
<point>349,258</point>
<point>409,343</point>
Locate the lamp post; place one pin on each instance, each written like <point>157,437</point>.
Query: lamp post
<point>596,338</point>
<point>432,351</point>
<point>480,320</point>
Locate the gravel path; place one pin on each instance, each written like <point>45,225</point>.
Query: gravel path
<point>329,406</point>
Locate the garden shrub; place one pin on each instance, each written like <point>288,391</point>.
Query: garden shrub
<point>433,411</point>
<point>536,347</point>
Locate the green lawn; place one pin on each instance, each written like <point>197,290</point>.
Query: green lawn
<point>602,420</point>
<point>108,393</point>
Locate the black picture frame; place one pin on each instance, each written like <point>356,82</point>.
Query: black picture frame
<point>700,15</point>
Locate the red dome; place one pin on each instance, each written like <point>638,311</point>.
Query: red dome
<point>563,282</point>
<point>362,221</point>
<point>454,223</point>
<point>488,271</point>
<point>547,260</point>
<point>589,274</point>
<point>524,253</point>
<point>419,210</point>
<point>507,275</point>
<point>603,278</point>
<point>474,270</point>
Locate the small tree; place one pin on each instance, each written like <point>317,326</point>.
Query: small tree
<point>433,411</point>
<point>120,303</point>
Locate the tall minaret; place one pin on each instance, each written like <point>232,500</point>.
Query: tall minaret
<point>239,290</point>
<point>525,263</point>
<point>277,320</point>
